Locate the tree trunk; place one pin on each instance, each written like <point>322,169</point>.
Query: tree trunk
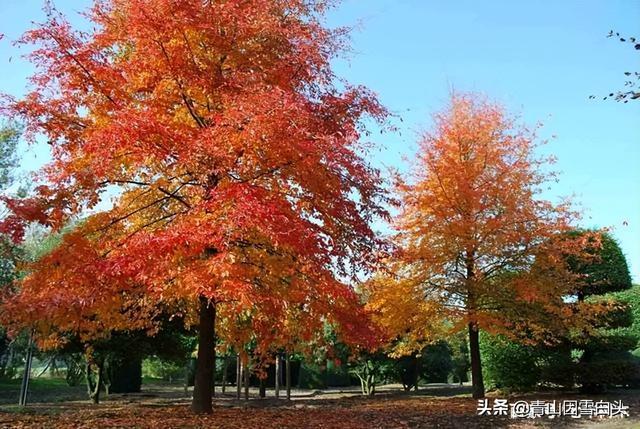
<point>372,391</point>
<point>96,393</point>
<point>213,378</point>
<point>186,380</point>
<point>417,372</point>
<point>203,385</point>
<point>94,389</point>
<point>474,329</point>
<point>363,387</point>
<point>476,364</point>
<point>246,381</point>
<point>277,381</point>
<point>225,369</point>
<point>238,376</point>
<point>24,387</point>
<point>9,362</point>
<point>89,380</point>
<point>287,371</point>
<point>263,388</point>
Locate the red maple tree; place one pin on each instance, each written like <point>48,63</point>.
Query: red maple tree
<point>232,156</point>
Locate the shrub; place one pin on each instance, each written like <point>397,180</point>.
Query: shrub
<point>406,370</point>
<point>436,363</point>
<point>167,370</point>
<point>556,366</point>
<point>125,375</point>
<point>459,358</point>
<point>508,365</point>
<point>608,369</point>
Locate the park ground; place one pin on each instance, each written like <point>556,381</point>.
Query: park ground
<point>162,405</point>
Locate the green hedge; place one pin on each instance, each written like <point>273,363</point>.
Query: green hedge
<point>508,365</point>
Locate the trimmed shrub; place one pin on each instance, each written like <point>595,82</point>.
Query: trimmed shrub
<point>508,365</point>
<point>609,369</point>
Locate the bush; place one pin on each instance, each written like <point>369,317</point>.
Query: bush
<point>556,366</point>
<point>609,369</point>
<point>459,357</point>
<point>311,376</point>
<point>406,369</point>
<point>609,272</point>
<point>125,375</point>
<point>337,375</point>
<point>167,370</point>
<point>436,363</point>
<point>508,365</point>
<point>630,297</point>
<point>605,359</point>
<point>372,369</point>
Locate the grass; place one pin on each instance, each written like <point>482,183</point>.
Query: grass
<point>41,389</point>
<point>42,383</point>
<point>55,389</point>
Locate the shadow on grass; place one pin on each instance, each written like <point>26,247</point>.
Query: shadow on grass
<point>41,390</point>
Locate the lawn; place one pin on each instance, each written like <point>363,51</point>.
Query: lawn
<point>42,389</point>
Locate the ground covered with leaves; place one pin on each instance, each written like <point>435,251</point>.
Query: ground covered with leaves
<point>391,410</point>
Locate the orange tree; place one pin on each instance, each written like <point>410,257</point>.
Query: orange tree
<point>239,192</point>
<point>478,246</point>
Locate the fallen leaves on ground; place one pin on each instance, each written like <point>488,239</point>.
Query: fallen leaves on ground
<point>381,412</point>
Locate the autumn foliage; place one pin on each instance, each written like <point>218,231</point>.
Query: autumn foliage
<point>233,165</point>
<point>208,165</point>
<point>479,247</point>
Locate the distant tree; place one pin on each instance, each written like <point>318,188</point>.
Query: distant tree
<point>9,136</point>
<point>459,357</point>
<point>371,369</point>
<point>9,252</point>
<point>437,362</point>
<point>606,358</point>
<point>113,363</point>
<point>602,268</point>
<point>473,213</point>
<point>631,298</point>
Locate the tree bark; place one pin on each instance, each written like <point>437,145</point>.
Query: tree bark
<point>213,377</point>
<point>476,364</point>
<point>186,380</point>
<point>417,373</point>
<point>203,385</point>
<point>238,376</point>
<point>96,393</point>
<point>94,389</point>
<point>287,371</point>
<point>24,386</point>
<point>277,377</point>
<point>246,381</point>
<point>225,369</point>
<point>474,330</point>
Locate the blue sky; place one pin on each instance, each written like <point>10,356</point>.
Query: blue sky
<point>542,59</point>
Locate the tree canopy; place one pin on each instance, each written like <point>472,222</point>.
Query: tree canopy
<point>233,157</point>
